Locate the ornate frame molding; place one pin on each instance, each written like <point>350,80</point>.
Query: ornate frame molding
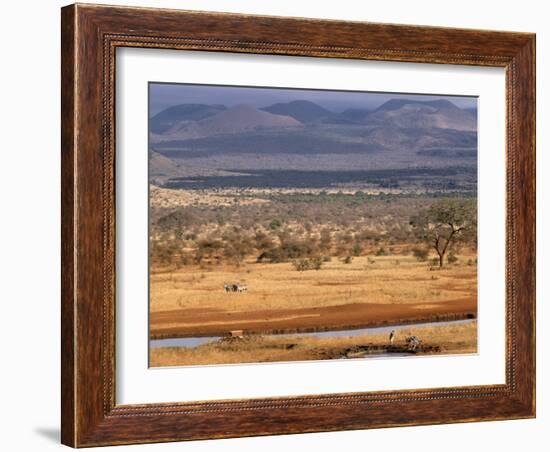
<point>90,37</point>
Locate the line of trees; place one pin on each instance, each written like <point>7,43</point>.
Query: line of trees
<point>441,227</point>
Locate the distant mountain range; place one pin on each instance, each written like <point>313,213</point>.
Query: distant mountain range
<point>230,121</point>
<point>301,110</point>
<point>190,121</point>
<point>167,118</point>
<point>408,131</point>
<point>440,114</point>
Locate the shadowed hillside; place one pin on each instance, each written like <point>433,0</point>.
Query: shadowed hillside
<point>200,139</point>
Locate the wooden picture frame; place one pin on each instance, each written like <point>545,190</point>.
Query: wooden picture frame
<point>90,36</point>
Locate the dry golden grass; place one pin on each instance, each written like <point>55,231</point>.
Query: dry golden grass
<point>395,279</point>
<point>170,198</point>
<point>450,339</point>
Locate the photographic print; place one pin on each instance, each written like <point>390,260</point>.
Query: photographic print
<point>287,211</point>
<point>295,224</point>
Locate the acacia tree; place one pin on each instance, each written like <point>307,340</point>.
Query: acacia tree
<point>444,223</point>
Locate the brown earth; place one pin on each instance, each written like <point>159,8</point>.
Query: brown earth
<point>213,322</point>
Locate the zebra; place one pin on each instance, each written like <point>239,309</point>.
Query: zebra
<point>235,287</point>
<point>241,288</point>
<point>228,287</point>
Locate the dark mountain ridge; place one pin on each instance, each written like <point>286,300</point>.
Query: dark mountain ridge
<point>166,119</point>
<point>301,110</point>
<point>396,104</point>
<point>229,121</point>
<point>400,132</point>
<point>413,114</point>
<point>355,114</point>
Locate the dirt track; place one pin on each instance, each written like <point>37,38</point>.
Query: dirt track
<point>211,322</point>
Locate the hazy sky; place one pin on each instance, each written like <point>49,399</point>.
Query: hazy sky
<point>163,95</point>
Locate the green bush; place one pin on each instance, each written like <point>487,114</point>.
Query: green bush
<point>381,251</point>
<point>451,258</point>
<point>347,259</point>
<point>275,224</point>
<point>421,254</point>
<point>314,263</point>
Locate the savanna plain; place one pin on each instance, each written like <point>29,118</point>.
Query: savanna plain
<point>254,268</point>
<point>295,232</point>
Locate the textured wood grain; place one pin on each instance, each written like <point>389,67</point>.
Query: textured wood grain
<point>90,36</point>
<point>68,244</point>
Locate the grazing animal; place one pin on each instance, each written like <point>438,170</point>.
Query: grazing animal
<point>235,287</point>
<point>413,342</point>
<point>230,287</point>
<point>392,336</point>
<point>241,288</point>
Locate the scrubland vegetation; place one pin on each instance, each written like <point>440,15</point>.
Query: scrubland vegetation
<point>311,261</point>
<point>306,229</point>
